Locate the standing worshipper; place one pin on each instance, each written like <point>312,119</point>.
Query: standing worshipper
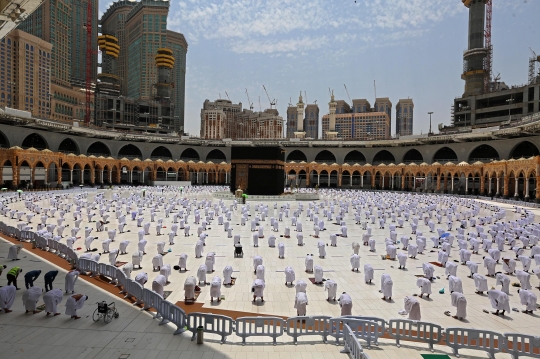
<point>215,289</point>
<point>355,262</point>
<point>368,273</point>
<point>386,287</point>
<point>300,303</point>
<point>331,286</point>
<point>71,278</point>
<point>7,297</point>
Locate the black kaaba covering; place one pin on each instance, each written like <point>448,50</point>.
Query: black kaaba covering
<point>258,170</point>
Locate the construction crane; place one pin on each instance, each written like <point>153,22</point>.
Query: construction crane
<point>89,64</point>
<point>347,93</point>
<point>532,67</point>
<point>227,95</point>
<point>488,60</point>
<point>249,101</point>
<point>272,103</point>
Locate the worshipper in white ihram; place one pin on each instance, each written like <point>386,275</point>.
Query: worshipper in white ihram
<point>499,301</point>
<point>455,284</point>
<point>300,286</point>
<point>227,275</point>
<point>355,262</point>
<point>300,303</point>
<point>13,253</point>
<point>182,261</point>
<point>290,276</point>
<point>386,287</point>
<point>201,274</point>
<point>503,281</point>
<point>309,263</point>
<point>402,259</point>
<point>331,286</point>
<point>257,261</point>
<point>368,273</point>
<point>281,250</point>
<point>412,307</point>
<point>345,303</point>
<point>7,297</point>
<point>51,299</point>
<point>158,284</point>
<point>480,283</point>
<point>215,289</point>
<point>71,278</point>
<point>528,299</point>
<point>425,287</point>
<point>189,288</point>
<point>258,290</point>
<point>74,303</point>
<point>318,274</point>
<point>141,278</point>
<point>460,302</point>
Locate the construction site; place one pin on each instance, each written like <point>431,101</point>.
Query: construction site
<point>487,101</point>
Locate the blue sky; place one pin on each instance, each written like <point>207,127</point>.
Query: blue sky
<point>412,48</point>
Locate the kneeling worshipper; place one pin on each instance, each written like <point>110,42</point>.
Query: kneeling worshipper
<point>412,307</point>
<point>7,297</point>
<point>300,303</point>
<point>345,302</point>
<point>74,303</point>
<point>499,301</point>
<point>460,302</point>
<point>51,299</point>
<point>30,299</point>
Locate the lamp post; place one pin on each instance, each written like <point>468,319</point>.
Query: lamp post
<point>430,113</point>
<point>509,101</point>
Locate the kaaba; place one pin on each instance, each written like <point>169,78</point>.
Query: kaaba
<point>258,170</point>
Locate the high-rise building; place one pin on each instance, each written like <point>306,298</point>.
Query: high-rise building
<point>292,116</point>
<point>223,119</point>
<point>25,83</point>
<point>78,42</point>
<point>404,117</point>
<point>383,104</point>
<point>152,91</point>
<point>55,22</point>
<point>311,121</point>
<point>473,59</point>
<point>359,126</point>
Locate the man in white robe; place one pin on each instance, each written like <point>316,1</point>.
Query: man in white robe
<point>402,259</point>
<point>368,273</point>
<point>300,303</point>
<point>412,307</point>
<point>524,279</point>
<point>74,303</point>
<point>499,301</point>
<point>258,289</point>
<point>455,284</point>
<point>51,299</point>
<point>257,261</point>
<point>503,281</point>
<point>281,250</point>
<point>450,269</point>
<point>480,282</point>
<point>30,299</point>
<point>345,303</point>
<point>199,249</point>
<point>7,298</point>
<point>318,274</point>
<point>528,299</point>
<point>158,284</point>
<point>189,288</point>
<point>141,278</point>
<point>425,287</point>
<point>322,249</point>
<point>509,265</point>
<point>331,286</point>
<point>355,262</point>
<point>260,272</point>
<point>386,287</point>
<point>227,275</point>
<point>490,264</point>
<point>300,286</point>
<point>201,274</point>
<point>271,241</point>
<point>412,250</point>
<point>333,240</point>
<point>460,302</point>
<point>105,245</point>
<point>300,239</point>
<point>13,253</point>
<point>123,247</point>
<point>182,261</point>
<point>309,263</point>
<point>429,270</point>
<point>473,267</point>
<point>215,289</point>
<point>71,278</point>
<point>113,255</point>
<point>210,261</point>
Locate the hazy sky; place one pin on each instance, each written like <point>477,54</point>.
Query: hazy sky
<point>412,48</point>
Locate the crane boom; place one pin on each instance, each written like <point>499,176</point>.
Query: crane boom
<point>249,101</point>
<point>272,103</point>
<point>227,95</point>
<point>349,96</point>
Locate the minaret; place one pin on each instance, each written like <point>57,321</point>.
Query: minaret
<point>300,133</point>
<point>332,134</point>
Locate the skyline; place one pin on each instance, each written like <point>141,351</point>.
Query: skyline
<point>292,46</point>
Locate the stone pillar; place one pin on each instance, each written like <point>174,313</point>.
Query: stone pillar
<point>482,184</point>
<point>414,182</point>
<point>527,189</point>
<point>177,176</point>
<point>71,176</point>
<point>15,171</point>
<point>339,179</point>
<point>59,175</point>
<point>402,182</point>
<point>350,180</point>
<point>318,180</point>
<point>506,189</point>
<point>537,188</point>
<point>452,184</point>
<point>130,176</point>
<point>498,186</point>
<point>489,185</point>
<point>438,183</point>
<point>92,175</point>
<point>516,187</point>
<point>328,179</point>
<point>382,182</point>
<point>82,176</point>
<point>46,178</point>
<point>467,185</point>
<point>101,176</point>
<point>361,180</point>
<point>197,177</point>
<point>425,183</point>
<point>308,178</point>
<point>110,176</point>
<point>32,176</point>
<point>373,182</point>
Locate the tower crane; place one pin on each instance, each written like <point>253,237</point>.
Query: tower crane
<point>249,101</point>
<point>349,96</point>
<point>272,102</point>
<point>227,95</point>
<point>532,67</point>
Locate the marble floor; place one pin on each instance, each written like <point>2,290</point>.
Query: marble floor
<point>137,335</point>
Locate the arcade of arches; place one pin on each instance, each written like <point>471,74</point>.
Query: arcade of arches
<point>43,168</point>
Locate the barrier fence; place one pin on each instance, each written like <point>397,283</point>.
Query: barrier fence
<point>348,328</point>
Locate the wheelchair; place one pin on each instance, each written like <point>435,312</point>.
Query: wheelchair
<point>105,311</point>
<point>238,251</point>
